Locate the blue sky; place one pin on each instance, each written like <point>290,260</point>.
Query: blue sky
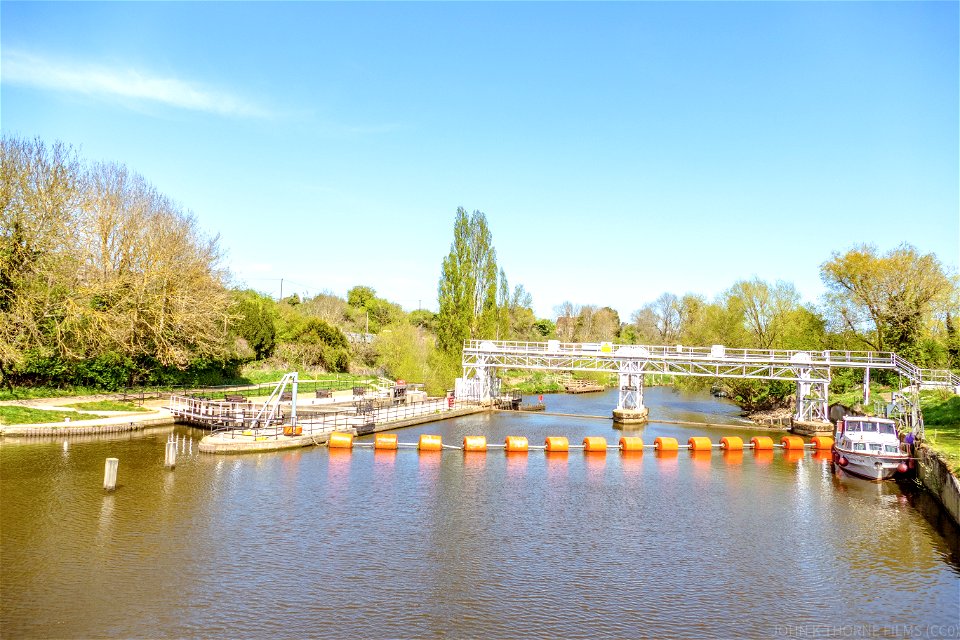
<point>618,150</point>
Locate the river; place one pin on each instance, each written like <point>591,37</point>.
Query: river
<point>364,544</point>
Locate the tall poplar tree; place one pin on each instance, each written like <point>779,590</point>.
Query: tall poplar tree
<point>468,284</point>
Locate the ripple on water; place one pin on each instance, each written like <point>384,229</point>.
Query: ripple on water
<point>316,543</point>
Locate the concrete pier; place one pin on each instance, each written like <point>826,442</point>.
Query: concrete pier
<point>631,416</point>
<point>255,441</point>
<point>814,428</point>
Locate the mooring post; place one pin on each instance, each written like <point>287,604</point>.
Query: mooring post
<point>170,460</point>
<point>110,474</point>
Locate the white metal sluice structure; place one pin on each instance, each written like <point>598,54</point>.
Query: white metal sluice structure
<point>811,370</point>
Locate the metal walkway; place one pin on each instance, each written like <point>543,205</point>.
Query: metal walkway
<point>811,370</point>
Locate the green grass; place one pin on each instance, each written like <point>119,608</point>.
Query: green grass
<point>105,405</point>
<point>27,415</point>
<point>941,419</point>
<point>32,393</point>
<point>532,382</point>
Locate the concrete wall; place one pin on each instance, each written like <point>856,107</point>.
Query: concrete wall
<point>934,472</point>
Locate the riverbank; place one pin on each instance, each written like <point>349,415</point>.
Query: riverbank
<point>111,424</point>
<point>937,475</point>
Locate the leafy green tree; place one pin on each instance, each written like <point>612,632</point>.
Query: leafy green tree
<point>765,309</point>
<point>423,318</point>
<point>314,342</point>
<point>256,323</point>
<point>885,300</point>
<point>359,296</point>
<point>546,327</point>
<point>467,290</point>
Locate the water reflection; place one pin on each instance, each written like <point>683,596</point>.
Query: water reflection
<point>733,456</point>
<point>442,544</point>
<point>763,456</point>
<point>793,456</point>
<point>517,465</point>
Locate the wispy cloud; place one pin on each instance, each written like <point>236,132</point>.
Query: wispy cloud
<point>19,68</point>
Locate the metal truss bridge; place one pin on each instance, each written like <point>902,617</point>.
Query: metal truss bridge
<point>811,370</point>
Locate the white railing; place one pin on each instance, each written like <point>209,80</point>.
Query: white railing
<point>716,354</point>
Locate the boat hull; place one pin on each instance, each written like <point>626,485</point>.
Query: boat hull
<point>871,467</point>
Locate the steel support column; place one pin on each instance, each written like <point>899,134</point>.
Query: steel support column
<point>631,386</point>
<point>812,395</point>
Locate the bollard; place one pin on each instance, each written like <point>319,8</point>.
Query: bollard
<point>170,461</point>
<point>110,474</point>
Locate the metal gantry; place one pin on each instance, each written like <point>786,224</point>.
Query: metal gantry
<point>810,370</point>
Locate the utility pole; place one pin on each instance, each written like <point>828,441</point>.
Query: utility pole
<point>281,288</point>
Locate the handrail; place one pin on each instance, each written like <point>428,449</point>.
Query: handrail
<point>792,357</point>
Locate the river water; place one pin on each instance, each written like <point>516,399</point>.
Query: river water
<point>364,544</point>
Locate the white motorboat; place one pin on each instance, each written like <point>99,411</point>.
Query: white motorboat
<point>869,447</point>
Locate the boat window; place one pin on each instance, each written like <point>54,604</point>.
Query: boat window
<point>859,446</point>
<point>870,427</point>
<point>853,426</point>
<point>891,448</point>
<point>876,447</point>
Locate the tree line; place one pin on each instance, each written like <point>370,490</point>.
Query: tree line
<point>102,278</point>
<point>105,282</point>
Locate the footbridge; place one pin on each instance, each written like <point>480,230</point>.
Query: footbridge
<point>810,370</point>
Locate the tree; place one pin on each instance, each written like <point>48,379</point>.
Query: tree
<point>97,266</point>
<point>256,323</point>
<point>503,308</point>
<point>765,308</point>
<point>359,296</point>
<point>468,285</point>
<point>885,300</point>
<point>316,343</point>
<point>666,312</point>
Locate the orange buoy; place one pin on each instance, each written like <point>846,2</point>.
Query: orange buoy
<point>340,440</point>
<point>595,444</point>
<point>385,441</point>
<point>731,443</point>
<point>699,443</point>
<point>822,442</point>
<point>516,443</point>
<point>761,443</point>
<point>665,444</point>
<point>430,443</point>
<point>557,443</point>
<point>631,443</point>
<point>474,443</point>
<point>288,431</point>
<point>792,442</point>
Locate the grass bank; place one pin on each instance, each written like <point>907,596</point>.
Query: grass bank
<point>104,405</point>
<point>536,382</point>
<point>28,415</point>
<point>941,420</point>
